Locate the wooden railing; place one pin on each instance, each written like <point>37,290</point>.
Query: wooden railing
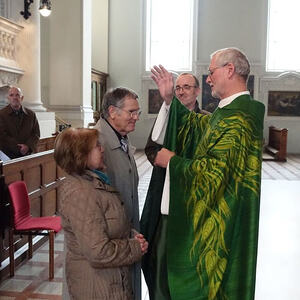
<point>42,177</point>
<point>46,144</point>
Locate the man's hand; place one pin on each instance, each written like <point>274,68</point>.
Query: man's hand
<point>23,149</point>
<point>163,157</point>
<point>164,82</point>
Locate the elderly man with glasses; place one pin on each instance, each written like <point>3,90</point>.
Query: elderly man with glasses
<point>186,90</point>
<point>205,243</point>
<point>120,111</point>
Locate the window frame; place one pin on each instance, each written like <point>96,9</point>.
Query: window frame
<point>146,40</point>
<point>268,69</point>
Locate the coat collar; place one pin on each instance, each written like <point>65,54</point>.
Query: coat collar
<point>228,100</point>
<point>11,111</point>
<point>246,104</point>
<point>238,102</point>
<point>113,141</point>
<point>96,181</point>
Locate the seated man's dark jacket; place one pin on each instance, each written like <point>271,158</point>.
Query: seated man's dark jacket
<point>22,128</point>
<point>152,148</point>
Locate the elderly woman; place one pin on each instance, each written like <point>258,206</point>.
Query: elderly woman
<point>98,235</point>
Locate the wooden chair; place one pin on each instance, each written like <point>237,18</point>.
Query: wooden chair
<point>277,145</point>
<point>24,224</point>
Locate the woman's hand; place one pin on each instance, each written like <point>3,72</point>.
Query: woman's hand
<point>143,242</point>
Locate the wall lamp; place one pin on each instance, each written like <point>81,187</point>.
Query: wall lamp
<point>45,8</point>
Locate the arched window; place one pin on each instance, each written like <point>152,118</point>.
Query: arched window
<point>283,43</point>
<point>169,34</point>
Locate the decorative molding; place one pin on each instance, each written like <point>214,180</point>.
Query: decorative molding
<point>287,81</point>
<point>10,71</point>
<point>10,26</point>
<point>78,116</point>
<point>64,108</point>
<point>8,78</point>
<point>35,106</point>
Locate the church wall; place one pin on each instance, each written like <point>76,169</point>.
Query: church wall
<point>220,24</point>
<point>64,53</point>
<point>100,35</point>
<point>66,61</point>
<point>125,55</point>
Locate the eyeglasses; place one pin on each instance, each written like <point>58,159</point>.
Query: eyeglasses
<point>185,87</point>
<point>211,72</point>
<point>134,113</point>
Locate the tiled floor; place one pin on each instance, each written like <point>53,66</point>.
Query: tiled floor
<point>278,266</point>
<point>31,279</point>
<point>278,262</point>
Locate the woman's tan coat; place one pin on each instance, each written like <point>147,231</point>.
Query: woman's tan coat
<point>97,233</point>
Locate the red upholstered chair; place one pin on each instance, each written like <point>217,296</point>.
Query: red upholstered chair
<point>24,224</point>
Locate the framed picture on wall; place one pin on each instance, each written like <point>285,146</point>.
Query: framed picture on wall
<point>154,101</point>
<point>284,103</point>
<point>210,103</point>
<point>250,85</point>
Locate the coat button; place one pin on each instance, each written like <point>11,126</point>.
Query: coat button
<point>129,170</point>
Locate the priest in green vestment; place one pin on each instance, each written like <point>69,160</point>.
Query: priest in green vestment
<point>202,225</point>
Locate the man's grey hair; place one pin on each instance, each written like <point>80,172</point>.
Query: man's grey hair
<point>116,97</point>
<point>197,84</point>
<point>234,56</point>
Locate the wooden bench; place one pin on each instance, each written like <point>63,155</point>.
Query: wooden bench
<point>45,144</point>
<point>277,145</point>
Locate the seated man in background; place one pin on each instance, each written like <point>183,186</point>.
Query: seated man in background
<point>19,128</point>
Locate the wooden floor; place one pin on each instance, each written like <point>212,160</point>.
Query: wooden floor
<point>278,268</point>
<point>289,170</point>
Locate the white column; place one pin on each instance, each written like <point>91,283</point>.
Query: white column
<point>87,112</point>
<point>67,80</point>
<point>28,57</point>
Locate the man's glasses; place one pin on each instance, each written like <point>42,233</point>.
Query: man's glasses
<point>185,87</point>
<point>211,71</point>
<point>133,114</point>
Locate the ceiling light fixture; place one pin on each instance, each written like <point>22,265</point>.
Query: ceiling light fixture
<point>45,8</point>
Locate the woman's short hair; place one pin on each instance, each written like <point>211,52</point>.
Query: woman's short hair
<point>72,148</point>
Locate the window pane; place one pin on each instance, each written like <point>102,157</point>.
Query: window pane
<point>169,34</point>
<point>283,43</point>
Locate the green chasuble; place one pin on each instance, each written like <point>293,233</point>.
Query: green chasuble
<point>215,178</point>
